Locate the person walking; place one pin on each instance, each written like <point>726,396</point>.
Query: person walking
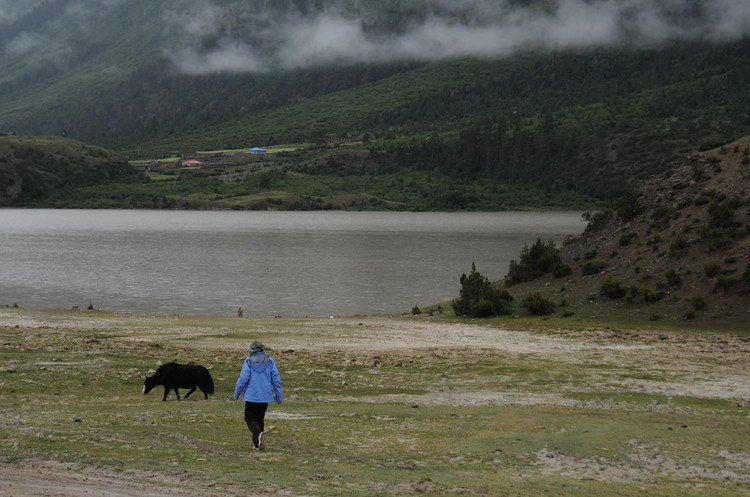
<point>259,384</point>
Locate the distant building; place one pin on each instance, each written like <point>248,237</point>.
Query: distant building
<point>258,151</point>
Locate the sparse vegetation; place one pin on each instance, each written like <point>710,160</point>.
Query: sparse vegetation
<point>540,405</point>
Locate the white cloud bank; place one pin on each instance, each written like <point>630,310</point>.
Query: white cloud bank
<point>486,28</point>
<point>348,32</point>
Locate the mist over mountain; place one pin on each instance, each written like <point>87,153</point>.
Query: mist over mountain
<point>295,34</point>
<point>249,36</point>
<point>576,96</point>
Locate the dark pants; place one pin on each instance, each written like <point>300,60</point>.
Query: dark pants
<point>255,413</point>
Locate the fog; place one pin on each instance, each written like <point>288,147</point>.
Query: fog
<point>469,28</point>
<point>257,37</point>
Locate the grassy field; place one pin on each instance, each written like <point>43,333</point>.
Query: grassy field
<point>383,405</point>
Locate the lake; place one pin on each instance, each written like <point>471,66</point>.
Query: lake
<point>291,264</point>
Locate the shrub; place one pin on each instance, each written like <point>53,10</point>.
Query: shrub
<point>539,259</point>
<point>648,294</point>
<point>562,270</point>
<point>722,226</point>
<point>698,302</point>
<point>651,295</point>
<point>613,288</point>
<point>536,304</point>
<point>655,239</point>
<point>480,298</point>
<point>597,219</point>
<point>593,267</point>
<point>673,279</point>
<point>416,310</point>
<point>712,268</point>
<point>590,254</point>
<point>626,239</point>
<point>661,216</point>
<point>724,282</point>
<point>627,205</point>
<point>483,309</point>
<point>678,245</point>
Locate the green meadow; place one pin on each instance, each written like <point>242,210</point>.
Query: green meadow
<point>382,405</point>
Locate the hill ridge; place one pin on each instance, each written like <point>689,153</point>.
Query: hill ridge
<point>676,247</point>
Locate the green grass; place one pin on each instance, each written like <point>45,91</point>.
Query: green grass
<point>358,422</point>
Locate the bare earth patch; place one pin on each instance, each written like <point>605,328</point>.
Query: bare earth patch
<point>58,480</point>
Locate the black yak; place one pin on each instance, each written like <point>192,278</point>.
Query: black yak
<point>174,376</point>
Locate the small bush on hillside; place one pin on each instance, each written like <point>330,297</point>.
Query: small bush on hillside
<point>536,304</point>
<point>655,239</point>
<point>712,268</point>
<point>673,279</point>
<point>627,205</point>
<point>725,282</point>
<point>613,288</point>
<point>626,239</point>
<point>722,225</point>
<point>597,219</point>
<point>539,259</point>
<point>651,295</point>
<point>590,254</point>
<point>480,298</point>
<point>562,270</point>
<point>697,302</point>
<point>662,216</point>
<point>648,294</point>
<point>678,246</point>
<point>593,267</point>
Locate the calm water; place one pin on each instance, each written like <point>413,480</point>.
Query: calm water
<point>268,263</point>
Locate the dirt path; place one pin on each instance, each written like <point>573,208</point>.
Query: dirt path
<point>56,480</point>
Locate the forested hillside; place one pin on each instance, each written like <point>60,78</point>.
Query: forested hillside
<point>509,92</point>
<point>35,169</point>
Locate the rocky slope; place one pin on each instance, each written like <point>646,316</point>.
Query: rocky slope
<point>677,247</point>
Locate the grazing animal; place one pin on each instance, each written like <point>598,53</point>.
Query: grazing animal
<point>173,376</point>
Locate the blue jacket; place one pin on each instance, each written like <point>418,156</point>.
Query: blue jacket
<point>259,380</point>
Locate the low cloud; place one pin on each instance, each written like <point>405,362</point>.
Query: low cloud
<point>10,10</point>
<point>203,36</point>
<point>474,28</point>
<point>229,57</point>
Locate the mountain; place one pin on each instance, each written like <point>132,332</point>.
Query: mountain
<point>572,96</point>
<point>675,248</point>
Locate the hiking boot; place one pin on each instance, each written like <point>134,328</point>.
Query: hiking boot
<point>262,440</point>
